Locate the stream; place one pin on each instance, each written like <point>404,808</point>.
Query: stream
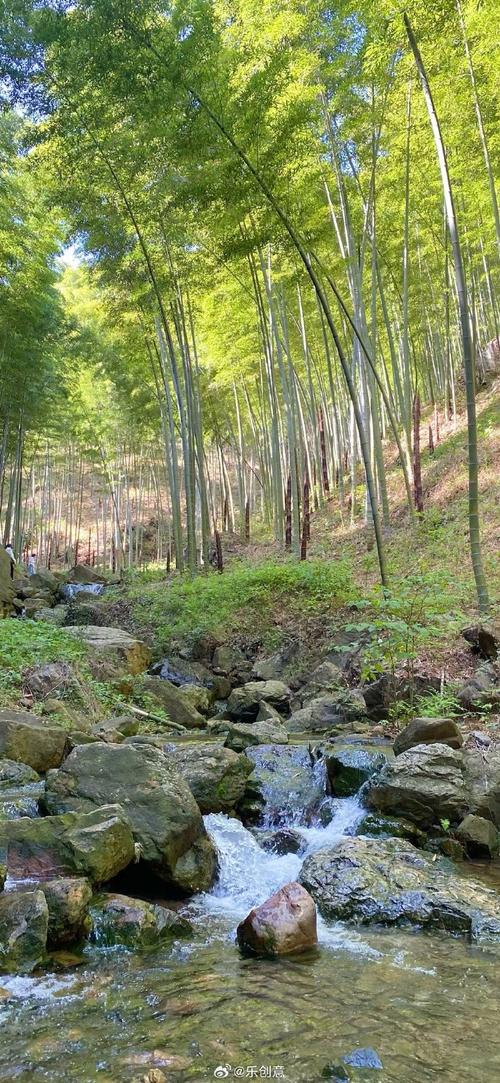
<point>400,1006</point>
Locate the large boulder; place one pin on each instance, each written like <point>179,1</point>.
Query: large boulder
<point>283,925</point>
<point>44,580</point>
<point>481,768</point>
<point>30,740</point>
<point>117,919</point>
<point>228,660</point>
<point>97,845</point>
<point>24,919</point>
<point>484,639</point>
<point>215,775</point>
<point>425,784</point>
<point>114,645</point>
<point>390,882</point>
<point>175,701</point>
<point>326,679</point>
<point>241,735</point>
<point>188,675</point>
<point>20,790</point>
<point>243,703</point>
<point>325,712</point>
<point>482,689</point>
<point>45,680</point>
<point>166,821</point>
<point>68,900</point>
<point>276,666</point>
<point>83,573</point>
<point>427,731</point>
<point>348,768</point>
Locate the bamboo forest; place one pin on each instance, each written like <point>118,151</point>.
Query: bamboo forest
<point>249,541</point>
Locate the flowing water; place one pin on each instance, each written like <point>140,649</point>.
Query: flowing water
<point>420,1007</point>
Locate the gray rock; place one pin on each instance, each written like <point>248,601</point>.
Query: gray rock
<point>481,689</point>
<point>24,920</point>
<point>241,735</point>
<point>479,837</point>
<point>326,679</point>
<point>290,781</point>
<point>484,639</point>
<point>228,659</point>
<point>165,819</point>
<point>83,573</point>
<point>424,784</point>
<point>56,616</point>
<point>275,667</point>
<point>42,681</point>
<point>425,731</point>
<point>68,900</point>
<point>348,768</point>
<point>243,703</point>
<point>326,712</point>
<point>389,882</point>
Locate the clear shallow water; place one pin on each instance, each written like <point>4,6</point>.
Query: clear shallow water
<point>426,1004</point>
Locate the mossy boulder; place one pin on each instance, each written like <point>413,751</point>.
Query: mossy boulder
<point>30,740</point>
<point>20,790</point>
<point>114,645</point>
<point>243,703</point>
<point>97,845</point>
<point>390,882</point>
<point>425,784</point>
<point>24,920</point>
<point>166,821</point>
<point>348,768</point>
<point>118,919</point>
<point>215,775</point>
<point>479,837</point>
<point>326,711</point>
<point>175,701</point>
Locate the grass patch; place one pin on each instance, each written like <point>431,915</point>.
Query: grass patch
<point>245,599</point>
<point>26,644</point>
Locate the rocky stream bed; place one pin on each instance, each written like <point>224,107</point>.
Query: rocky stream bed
<point>132,863</point>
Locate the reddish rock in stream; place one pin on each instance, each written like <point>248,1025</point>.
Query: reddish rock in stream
<point>285,923</point>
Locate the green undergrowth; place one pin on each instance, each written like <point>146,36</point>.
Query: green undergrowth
<point>26,644</point>
<point>249,599</point>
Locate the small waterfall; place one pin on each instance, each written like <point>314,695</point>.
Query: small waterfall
<point>248,874</point>
<point>70,590</point>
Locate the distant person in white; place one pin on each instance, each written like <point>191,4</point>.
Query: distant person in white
<point>10,553</point>
<point>32,564</point>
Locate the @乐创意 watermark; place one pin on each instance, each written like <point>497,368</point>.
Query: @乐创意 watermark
<point>250,1071</point>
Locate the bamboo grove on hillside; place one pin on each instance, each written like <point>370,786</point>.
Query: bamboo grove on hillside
<point>288,241</point>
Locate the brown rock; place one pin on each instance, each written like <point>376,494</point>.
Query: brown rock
<point>284,924</point>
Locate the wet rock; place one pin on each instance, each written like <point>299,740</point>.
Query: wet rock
<point>29,740</point>
<point>327,711</point>
<point>20,790</point>
<point>348,768</point>
<point>389,882</point>
<point>243,703</point>
<point>425,784</point>
<point>24,920</point>
<point>390,827</point>
<point>286,841</point>
<point>115,645</point>
<point>291,782</point>
<point>481,766</point>
<point>43,681</point>
<point>481,689</point>
<point>425,731</point>
<point>478,836</point>
<point>484,639</point>
<point>68,902</point>
<point>241,735</point>
<point>97,845</point>
<point>166,821</point>
<point>118,919</point>
<point>285,924</point>
<point>215,775</point>
<point>175,702</point>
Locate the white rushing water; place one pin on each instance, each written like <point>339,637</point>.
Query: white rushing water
<point>248,874</point>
